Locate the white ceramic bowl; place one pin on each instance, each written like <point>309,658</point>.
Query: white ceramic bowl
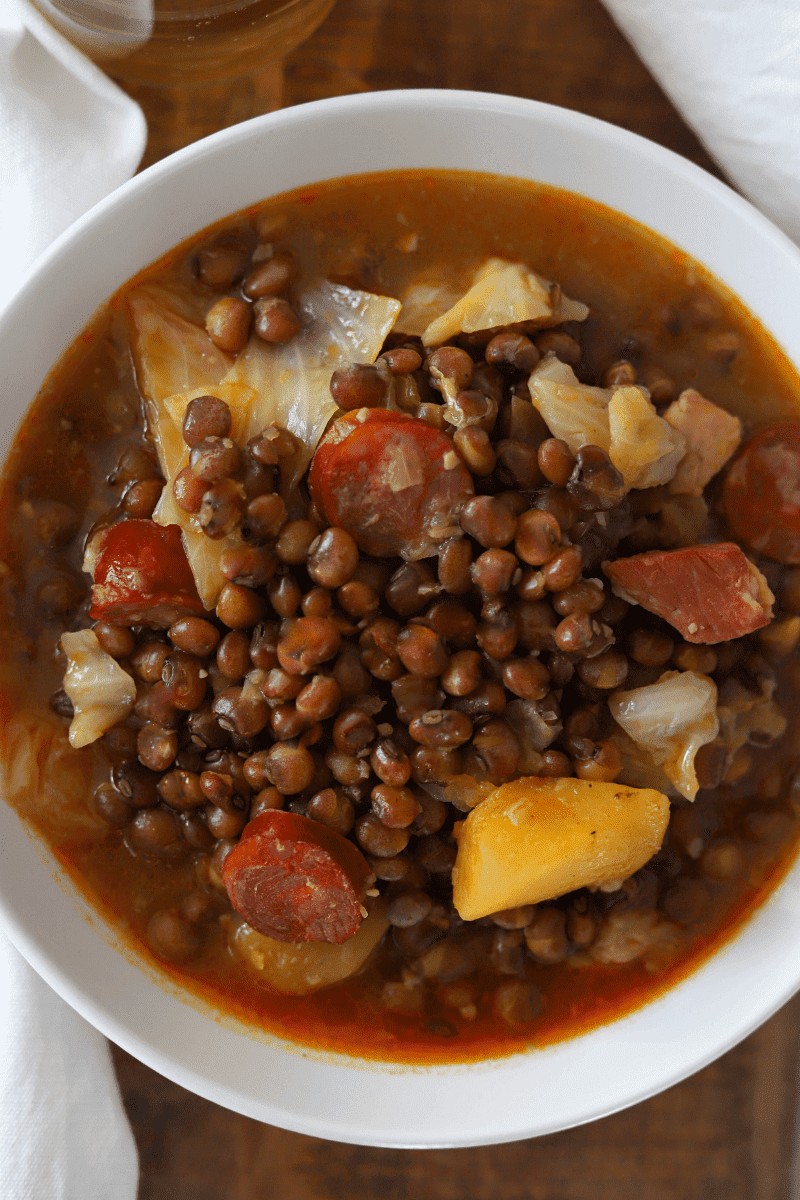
<point>333,1096</point>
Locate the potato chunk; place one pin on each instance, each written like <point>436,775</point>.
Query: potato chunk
<point>299,968</point>
<point>535,839</point>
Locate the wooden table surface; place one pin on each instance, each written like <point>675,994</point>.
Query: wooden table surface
<point>730,1132</point>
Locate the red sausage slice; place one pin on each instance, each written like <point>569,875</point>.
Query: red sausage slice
<point>761,493</point>
<point>394,483</point>
<point>296,880</point>
<point>708,593</point>
<point>141,576</point>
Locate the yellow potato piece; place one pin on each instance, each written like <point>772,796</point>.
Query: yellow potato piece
<point>535,839</point>
<point>299,968</point>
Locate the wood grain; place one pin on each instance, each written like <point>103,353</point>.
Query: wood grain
<point>729,1132</point>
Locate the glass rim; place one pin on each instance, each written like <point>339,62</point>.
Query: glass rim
<point>77,10</point>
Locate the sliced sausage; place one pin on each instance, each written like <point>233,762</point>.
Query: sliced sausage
<point>141,576</point>
<point>709,593</point>
<point>297,880</point>
<point>761,493</point>
<point>394,483</point>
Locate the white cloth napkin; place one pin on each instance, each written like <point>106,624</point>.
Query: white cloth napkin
<point>67,137</point>
<point>732,67</point>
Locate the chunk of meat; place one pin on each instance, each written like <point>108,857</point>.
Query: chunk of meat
<point>141,576</point>
<point>708,593</point>
<point>712,436</point>
<point>396,484</point>
<point>296,880</point>
<point>761,493</point>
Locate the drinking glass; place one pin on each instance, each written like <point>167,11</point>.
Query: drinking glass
<point>194,67</point>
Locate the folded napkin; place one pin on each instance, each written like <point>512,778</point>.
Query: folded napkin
<point>732,67</point>
<point>67,137</point>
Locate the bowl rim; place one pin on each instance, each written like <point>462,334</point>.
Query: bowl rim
<point>168,1060</point>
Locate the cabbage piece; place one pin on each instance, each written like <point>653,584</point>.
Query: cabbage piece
<point>572,411</point>
<point>203,553</point>
<point>285,385</point>
<point>291,382</point>
<point>671,719</point>
<point>638,768</point>
<point>297,969</point>
<point>102,693</point>
<point>712,436</point>
<point>423,301</point>
<point>503,293</point>
<point>42,778</point>
<point>171,352</point>
<point>643,447</point>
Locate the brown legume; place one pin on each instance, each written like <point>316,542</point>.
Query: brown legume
<point>452,363</point>
<point>332,558</point>
<point>441,727</point>
<point>556,461</point>
<point>390,763</point>
<point>289,768</point>
<point>606,672</point>
<point>527,678</point>
<point>276,321</point>
<point>239,607</point>
<point>538,535</point>
<point>455,557</point>
<point>462,674</point>
<point>156,832</point>
<point>514,350</point>
<point>359,385</point>
<point>228,324</point>
<point>564,569</point>
<point>265,516</point>
<point>270,277</point>
<point>172,936</point>
<point>546,936</point>
<point>553,341</point>
<point>489,521</point>
<point>205,417</point>
<point>497,750</point>
<point>422,651</point>
<point>475,448</point>
<point>378,839</point>
<point>494,571</point>
<point>395,807</point>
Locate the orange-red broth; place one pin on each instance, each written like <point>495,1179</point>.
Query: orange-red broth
<point>650,302</point>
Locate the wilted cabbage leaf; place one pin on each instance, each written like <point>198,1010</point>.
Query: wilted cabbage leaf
<point>502,293</point>
<point>297,969</point>
<point>284,385</point>
<point>671,719</point>
<point>203,553</point>
<point>572,411</point>
<point>291,382</point>
<point>643,447</point>
<point>41,777</point>
<point>102,693</point>
<point>171,352</point>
